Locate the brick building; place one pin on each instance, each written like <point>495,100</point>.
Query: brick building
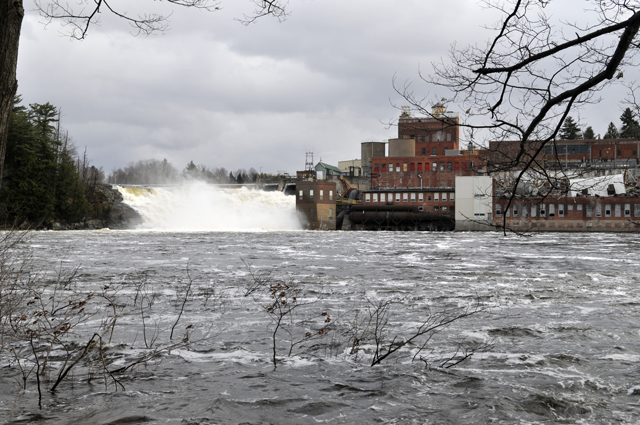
<point>578,214</point>
<point>316,202</point>
<point>413,187</point>
<point>600,153</point>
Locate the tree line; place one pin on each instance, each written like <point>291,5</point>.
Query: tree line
<point>153,171</point>
<point>44,178</point>
<point>629,129</point>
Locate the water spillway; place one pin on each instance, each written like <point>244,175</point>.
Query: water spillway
<point>200,206</point>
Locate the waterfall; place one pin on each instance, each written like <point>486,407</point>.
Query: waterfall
<point>199,206</point>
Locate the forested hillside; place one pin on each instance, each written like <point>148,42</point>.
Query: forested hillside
<point>44,181</point>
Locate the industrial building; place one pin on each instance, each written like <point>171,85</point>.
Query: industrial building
<point>422,180</point>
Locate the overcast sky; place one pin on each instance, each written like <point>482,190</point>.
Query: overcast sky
<point>226,95</point>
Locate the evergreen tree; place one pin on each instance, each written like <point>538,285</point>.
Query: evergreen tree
<point>630,127</point>
<point>42,182</point>
<point>589,134</point>
<point>612,132</point>
<point>570,130</point>
<point>191,170</point>
<point>71,205</point>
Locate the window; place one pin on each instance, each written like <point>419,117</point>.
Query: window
<point>627,210</point>
<point>424,151</point>
<point>607,210</point>
<point>457,166</point>
<point>525,211</point>
<point>429,198</point>
<point>419,166</point>
<point>516,210</point>
<point>426,166</point>
<point>331,195</point>
<point>444,197</point>
<point>330,212</point>
<point>552,210</point>
<point>560,210</point>
<point>636,210</point>
<point>435,166</point>
<point>589,211</point>
<point>445,150</point>
<point>367,197</point>
<point>444,208</point>
<point>442,166</point>
<point>391,168</point>
<point>436,197</point>
<point>617,208</point>
<point>434,151</point>
<point>464,166</point>
<point>375,197</point>
<point>598,210</point>
<point>570,207</point>
<point>449,166</point>
<point>311,194</point>
<point>452,196</point>
<point>375,168</point>
<point>498,209</point>
<point>384,168</point>
<point>321,195</point>
<point>405,197</point>
<point>383,198</point>
<point>404,167</point>
<point>579,207</point>
<point>413,197</point>
<point>397,197</point>
<point>619,152</point>
<point>300,194</point>
<point>543,211</point>
<point>397,167</point>
<point>412,167</point>
<point>420,197</point>
<point>533,210</point>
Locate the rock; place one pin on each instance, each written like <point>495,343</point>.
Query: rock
<point>119,214</point>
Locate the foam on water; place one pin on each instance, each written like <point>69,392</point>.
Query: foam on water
<point>203,207</point>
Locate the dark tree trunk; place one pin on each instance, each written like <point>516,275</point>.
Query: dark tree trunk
<point>11,14</point>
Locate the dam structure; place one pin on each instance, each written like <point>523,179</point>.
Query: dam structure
<point>198,206</point>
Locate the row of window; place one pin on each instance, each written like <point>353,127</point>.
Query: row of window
<point>433,166</point>
<point>559,210</point>
<point>321,194</point>
<point>434,151</point>
<point>388,197</point>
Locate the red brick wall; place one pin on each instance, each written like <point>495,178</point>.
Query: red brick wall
<point>432,201</point>
<point>447,168</point>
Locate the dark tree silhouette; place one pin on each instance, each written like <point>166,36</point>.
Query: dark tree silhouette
<point>612,132</point>
<point>570,130</point>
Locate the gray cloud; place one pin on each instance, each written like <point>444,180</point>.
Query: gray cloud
<point>221,94</point>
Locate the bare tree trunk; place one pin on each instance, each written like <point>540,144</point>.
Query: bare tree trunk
<point>11,14</point>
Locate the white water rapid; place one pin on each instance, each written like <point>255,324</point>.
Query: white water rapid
<point>203,207</point>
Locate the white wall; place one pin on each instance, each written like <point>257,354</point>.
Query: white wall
<point>474,203</point>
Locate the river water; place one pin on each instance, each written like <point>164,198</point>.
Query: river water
<point>558,327</point>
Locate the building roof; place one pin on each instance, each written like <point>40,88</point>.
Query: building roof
<point>329,167</point>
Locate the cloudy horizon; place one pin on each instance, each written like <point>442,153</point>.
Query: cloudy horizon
<point>221,94</point>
